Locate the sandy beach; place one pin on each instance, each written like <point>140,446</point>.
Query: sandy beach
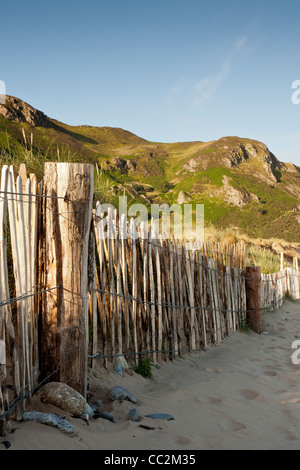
<point>241,394</point>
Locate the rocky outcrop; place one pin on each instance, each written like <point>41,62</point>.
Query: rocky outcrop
<point>124,166</point>
<point>192,165</point>
<point>183,198</point>
<point>231,152</point>
<point>235,196</point>
<point>17,110</point>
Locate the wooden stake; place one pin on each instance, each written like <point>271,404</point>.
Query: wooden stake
<point>253,292</point>
<point>67,212</point>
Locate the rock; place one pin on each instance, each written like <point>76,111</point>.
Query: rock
<point>120,359</point>
<point>17,110</point>
<point>96,405</point>
<point>191,165</point>
<point>163,416</point>
<point>85,417</point>
<point>50,420</point>
<point>6,444</point>
<point>104,415</point>
<point>89,411</point>
<point>131,165</point>
<point>120,393</point>
<point>183,198</point>
<point>120,164</point>
<point>64,397</point>
<point>264,333</point>
<point>119,369</point>
<point>234,196</point>
<point>133,415</point>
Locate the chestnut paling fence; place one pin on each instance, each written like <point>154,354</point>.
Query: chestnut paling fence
<point>135,295</point>
<point>275,287</point>
<point>160,297</point>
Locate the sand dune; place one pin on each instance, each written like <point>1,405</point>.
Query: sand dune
<point>242,394</point>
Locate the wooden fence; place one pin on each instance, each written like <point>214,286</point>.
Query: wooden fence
<point>275,287</point>
<point>156,295</point>
<point>72,289</point>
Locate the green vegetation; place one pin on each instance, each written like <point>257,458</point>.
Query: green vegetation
<point>144,368</point>
<point>154,172</point>
<point>267,260</point>
<point>290,298</point>
<point>244,325</point>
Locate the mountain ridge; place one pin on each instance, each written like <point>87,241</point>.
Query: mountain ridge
<point>239,180</point>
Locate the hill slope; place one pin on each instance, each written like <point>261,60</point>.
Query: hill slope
<point>239,180</point>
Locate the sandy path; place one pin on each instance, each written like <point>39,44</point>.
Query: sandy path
<point>242,394</point>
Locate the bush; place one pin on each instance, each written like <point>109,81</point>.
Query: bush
<point>144,368</point>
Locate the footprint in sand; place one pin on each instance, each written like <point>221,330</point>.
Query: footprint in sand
<point>249,394</point>
<point>215,371</point>
<point>253,359</point>
<point>215,400</point>
<point>289,436</point>
<point>286,411</point>
<point>180,440</point>
<point>237,426</point>
<point>270,373</point>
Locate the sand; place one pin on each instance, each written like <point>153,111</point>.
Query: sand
<point>241,394</point>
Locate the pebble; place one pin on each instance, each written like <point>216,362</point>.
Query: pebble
<point>163,416</point>
<point>133,415</point>
<point>119,369</point>
<point>6,444</point>
<point>120,359</point>
<point>88,411</point>
<point>120,393</point>
<point>50,419</point>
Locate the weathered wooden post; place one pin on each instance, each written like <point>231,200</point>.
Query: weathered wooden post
<point>253,296</point>
<point>282,261</point>
<point>66,223</point>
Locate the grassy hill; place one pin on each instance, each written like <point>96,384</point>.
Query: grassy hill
<point>241,183</point>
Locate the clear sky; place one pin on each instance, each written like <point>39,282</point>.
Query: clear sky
<point>167,70</point>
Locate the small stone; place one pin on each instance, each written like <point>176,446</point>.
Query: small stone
<point>158,366</point>
<point>50,420</point>
<point>265,333</point>
<point>89,411</point>
<point>120,359</point>
<point>6,444</point>
<point>163,416</point>
<point>133,415</point>
<point>119,369</point>
<point>120,393</point>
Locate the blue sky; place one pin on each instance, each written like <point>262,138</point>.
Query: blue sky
<point>167,70</point>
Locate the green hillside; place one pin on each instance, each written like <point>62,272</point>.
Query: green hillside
<point>241,183</point>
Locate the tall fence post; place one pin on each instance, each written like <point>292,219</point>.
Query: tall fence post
<point>253,295</point>
<point>66,223</point>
